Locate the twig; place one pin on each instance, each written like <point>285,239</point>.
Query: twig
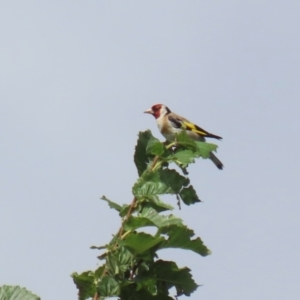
<point>135,268</point>
<point>131,208</point>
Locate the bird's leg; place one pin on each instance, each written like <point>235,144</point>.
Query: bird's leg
<point>175,142</point>
<point>172,146</point>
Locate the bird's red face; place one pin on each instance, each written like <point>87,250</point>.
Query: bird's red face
<point>157,110</point>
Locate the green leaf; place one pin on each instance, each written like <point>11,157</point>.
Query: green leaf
<point>124,210</point>
<point>205,149</point>
<point>121,209</point>
<point>9,292</point>
<point>183,157</point>
<point>202,149</point>
<point>157,204</point>
<point>168,273</point>
<point>180,237</point>
<point>148,284</point>
<point>140,242</point>
<point>85,283</point>
<point>112,204</point>
<point>147,185</point>
<point>189,195</point>
<point>137,222</point>
<point>118,261</point>
<point>141,158</point>
<point>136,292</point>
<point>155,283</point>
<point>173,180</point>
<point>162,181</point>
<point>108,287</point>
<point>150,217</point>
<point>160,220</point>
<point>99,272</point>
<point>182,139</point>
<point>155,147</point>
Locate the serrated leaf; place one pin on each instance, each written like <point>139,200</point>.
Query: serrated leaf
<point>121,209</point>
<point>189,195</point>
<point>180,237</point>
<point>183,157</point>
<point>205,149</point>
<point>140,242</point>
<point>182,139</point>
<point>108,287</point>
<point>9,292</point>
<point>160,220</point>
<point>202,149</point>
<point>150,217</point>
<point>155,147</point>
<point>137,222</point>
<point>147,185</point>
<point>173,180</point>
<point>99,272</point>
<point>135,292</point>
<point>124,210</point>
<point>157,204</point>
<point>112,204</point>
<point>118,261</point>
<point>162,181</point>
<point>171,275</point>
<point>147,283</point>
<point>85,283</point>
<point>141,158</point>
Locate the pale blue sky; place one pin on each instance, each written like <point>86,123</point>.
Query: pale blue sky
<point>75,78</point>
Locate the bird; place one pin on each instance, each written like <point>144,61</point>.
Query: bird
<point>170,123</point>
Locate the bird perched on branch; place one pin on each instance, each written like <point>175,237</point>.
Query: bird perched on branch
<point>170,123</point>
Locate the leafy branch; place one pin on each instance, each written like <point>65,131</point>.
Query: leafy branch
<point>131,268</point>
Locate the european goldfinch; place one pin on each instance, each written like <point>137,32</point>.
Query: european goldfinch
<point>170,123</point>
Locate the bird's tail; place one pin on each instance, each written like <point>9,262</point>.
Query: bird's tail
<point>216,161</point>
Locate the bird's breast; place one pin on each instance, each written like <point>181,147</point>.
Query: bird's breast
<point>166,129</point>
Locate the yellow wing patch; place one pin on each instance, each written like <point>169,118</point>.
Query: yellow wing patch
<point>194,128</point>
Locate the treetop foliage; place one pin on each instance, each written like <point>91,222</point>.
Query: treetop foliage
<point>131,266</point>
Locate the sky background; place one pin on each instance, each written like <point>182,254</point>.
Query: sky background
<point>75,78</point>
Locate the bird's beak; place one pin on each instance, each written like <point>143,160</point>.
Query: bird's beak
<point>149,111</point>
